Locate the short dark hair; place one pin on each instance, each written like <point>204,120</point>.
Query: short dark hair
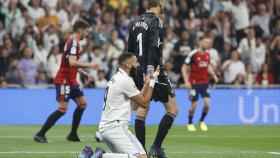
<point>80,24</point>
<point>124,57</point>
<point>153,3</point>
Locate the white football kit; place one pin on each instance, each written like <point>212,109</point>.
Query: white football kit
<point>116,115</point>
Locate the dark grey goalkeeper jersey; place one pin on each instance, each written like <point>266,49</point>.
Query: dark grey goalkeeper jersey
<point>146,39</point>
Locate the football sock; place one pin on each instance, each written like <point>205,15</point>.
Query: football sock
<point>191,116</point>
<point>190,119</point>
<point>203,115</point>
<point>164,126</point>
<point>115,155</point>
<point>140,130</point>
<point>76,119</point>
<point>50,122</point>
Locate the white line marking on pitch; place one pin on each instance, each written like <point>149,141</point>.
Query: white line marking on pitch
<point>274,153</point>
<point>170,136</point>
<point>38,152</point>
<point>174,152</point>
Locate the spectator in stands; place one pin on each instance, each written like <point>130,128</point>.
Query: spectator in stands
<point>8,44</point>
<point>3,83</point>
<point>222,26</point>
<point>225,54</point>
<point>41,78</point>
<point>119,5</point>
<point>239,80</point>
<point>184,12</point>
<point>62,16</point>
<point>275,57</point>
<point>247,45</point>
<point>35,9</point>
<point>24,23</point>
<point>170,40</point>
<point>4,62</point>
<point>53,62</point>
<point>193,23</point>
<point>202,8</point>
<point>232,68</point>
<point>101,82</point>
<point>257,55</point>
<point>48,18</point>
<point>115,49</point>
<point>2,16</point>
<point>40,56</point>
<point>174,77</point>
<point>262,19</point>
<point>122,26</point>
<point>250,77</point>
<point>27,68</point>
<point>18,26</point>
<point>12,75</point>
<point>214,56</point>
<point>94,12</point>
<point>240,17</point>
<point>182,49</point>
<point>2,32</point>
<point>276,29</point>
<point>265,77</point>
<point>274,9</point>
<point>108,21</point>
<point>11,13</point>
<point>50,37</point>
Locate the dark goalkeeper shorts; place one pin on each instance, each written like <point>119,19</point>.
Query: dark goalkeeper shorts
<point>66,92</point>
<point>162,89</point>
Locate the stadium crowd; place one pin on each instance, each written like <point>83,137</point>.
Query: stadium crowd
<point>245,33</point>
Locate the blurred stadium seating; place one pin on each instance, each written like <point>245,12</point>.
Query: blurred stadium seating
<point>42,26</point>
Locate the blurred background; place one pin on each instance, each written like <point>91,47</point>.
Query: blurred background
<point>245,33</point>
<point>245,50</point>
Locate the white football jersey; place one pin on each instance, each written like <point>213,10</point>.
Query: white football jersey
<point>117,99</point>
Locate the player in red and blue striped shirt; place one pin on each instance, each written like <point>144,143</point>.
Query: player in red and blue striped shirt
<point>195,73</point>
<point>66,84</point>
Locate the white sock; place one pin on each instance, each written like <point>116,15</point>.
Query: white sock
<point>115,155</point>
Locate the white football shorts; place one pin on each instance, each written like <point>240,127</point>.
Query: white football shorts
<point>120,140</point>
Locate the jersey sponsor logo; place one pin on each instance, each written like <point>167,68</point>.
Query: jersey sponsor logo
<point>202,64</point>
<point>141,24</point>
<point>73,50</point>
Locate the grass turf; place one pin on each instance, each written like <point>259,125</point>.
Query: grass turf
<point>218,142</point>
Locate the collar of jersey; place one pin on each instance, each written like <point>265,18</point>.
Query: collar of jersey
<point>123,72</point>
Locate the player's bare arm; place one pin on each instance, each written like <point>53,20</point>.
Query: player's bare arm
<point>185,72</point>
<point>212,73</point>
<point>86,75</point>
<point>76,63</point>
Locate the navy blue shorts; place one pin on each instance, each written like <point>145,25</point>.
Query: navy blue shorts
<point>65,92</point>
<point>199,89</point>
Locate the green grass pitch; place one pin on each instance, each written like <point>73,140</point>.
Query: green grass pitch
<point>218,142</point>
